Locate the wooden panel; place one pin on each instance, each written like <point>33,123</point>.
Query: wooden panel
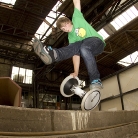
<point>10,92</point>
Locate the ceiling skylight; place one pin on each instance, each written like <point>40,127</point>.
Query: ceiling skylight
<point>50,19</point>
<point>132,58</point>
<point>125,18</point>
<point>103,33</point>
<point>8,1</point>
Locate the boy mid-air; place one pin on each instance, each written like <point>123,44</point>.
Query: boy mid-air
<point>84,41</point>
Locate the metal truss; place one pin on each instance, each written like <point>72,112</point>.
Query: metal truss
<point>115,10</point>
<point>10,30</point>
<point>17,51</point>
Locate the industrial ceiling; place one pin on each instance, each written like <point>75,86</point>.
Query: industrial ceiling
<point>19,23</point>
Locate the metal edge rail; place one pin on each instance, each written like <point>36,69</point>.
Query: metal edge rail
<point>52,133</point>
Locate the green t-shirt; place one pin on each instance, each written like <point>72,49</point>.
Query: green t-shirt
<point>81,28</point>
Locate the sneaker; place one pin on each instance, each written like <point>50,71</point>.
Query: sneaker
<point>45,54</point>
<point>49,50</point>
<point>96,84</point>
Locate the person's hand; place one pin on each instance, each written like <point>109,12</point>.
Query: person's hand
<point>74,74</point>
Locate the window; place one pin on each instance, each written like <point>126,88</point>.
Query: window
<point>103,33</point>
<point>128,60</point>
<point>47,98</point>
<point>21,75</point>
<point>8,1</point>
<point>125,18</point>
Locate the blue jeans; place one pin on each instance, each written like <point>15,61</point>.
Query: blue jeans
<point>87,49</point>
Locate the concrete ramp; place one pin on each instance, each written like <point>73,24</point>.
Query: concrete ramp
<point>10,92</point>
<point>23,122</point>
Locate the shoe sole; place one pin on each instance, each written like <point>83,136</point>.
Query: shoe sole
<point>39,50</point>
<point>92,86</point>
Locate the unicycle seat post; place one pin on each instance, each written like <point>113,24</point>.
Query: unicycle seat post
<point>78,91</point>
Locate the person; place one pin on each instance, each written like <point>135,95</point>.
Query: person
<point>84,41</point>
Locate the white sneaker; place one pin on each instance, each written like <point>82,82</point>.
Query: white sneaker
<point>96,84</point>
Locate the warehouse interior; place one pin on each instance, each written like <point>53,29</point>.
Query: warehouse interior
<point>21,20</point>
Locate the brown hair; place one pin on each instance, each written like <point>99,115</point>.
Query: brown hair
<point>62,20</point>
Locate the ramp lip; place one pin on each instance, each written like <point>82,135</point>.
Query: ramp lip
<point>52,133</point>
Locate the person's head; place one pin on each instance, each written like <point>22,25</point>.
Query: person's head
<point>64,24</point>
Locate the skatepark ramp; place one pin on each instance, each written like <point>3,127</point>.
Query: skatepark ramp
<point>10,92</point>
<point>24,122</point>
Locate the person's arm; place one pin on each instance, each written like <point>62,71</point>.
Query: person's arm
<point>77,4</point>
<point>76,63</point>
